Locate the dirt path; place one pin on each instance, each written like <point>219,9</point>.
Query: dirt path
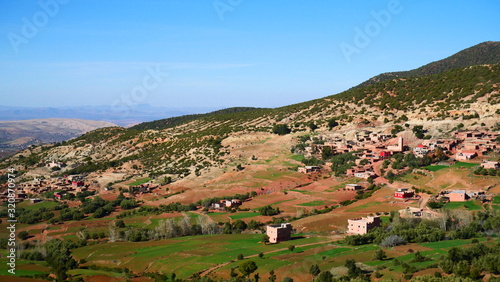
<point>206,272</point>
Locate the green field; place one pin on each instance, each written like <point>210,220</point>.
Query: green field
<point>465,165</point>
<point>470,205</point>
<point>361,207</point>
<point>140,181</point>
<point>29,206</point>
<point>298,158</point>
<point>242,215</point>
<point>184,255</point>
<point>496,200</point>
<point>436,167</point>
<point>315,203</point>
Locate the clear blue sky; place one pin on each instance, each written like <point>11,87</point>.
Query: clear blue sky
<point>221,53</point>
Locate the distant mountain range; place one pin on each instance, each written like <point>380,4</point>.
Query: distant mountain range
<point>141,113</point>
<point>17,135</point>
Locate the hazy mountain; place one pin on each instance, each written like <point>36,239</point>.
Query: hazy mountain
<point>135,115</point>
<point>16,135</point>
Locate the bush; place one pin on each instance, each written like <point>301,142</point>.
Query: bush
<point>392,241</point>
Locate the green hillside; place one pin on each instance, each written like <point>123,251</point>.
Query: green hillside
<point>483,53</point>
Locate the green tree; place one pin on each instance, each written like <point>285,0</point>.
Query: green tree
<point>291,248</point>
<point>314,270</point>
<point>261,255</point>
<point>380,255</point>
<point>272,276</point>
<point>119,223</point>
<point>281,129</point>
<point>247,267</point>
<point>240,257</point>
<point>332,123</point>
<point>59,258</point>
<point>312,126</point>
<point>265,239</point>
<point>325,276</point>
<point>23,235</point>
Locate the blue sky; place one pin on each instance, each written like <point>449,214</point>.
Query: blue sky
<point>221,53</point>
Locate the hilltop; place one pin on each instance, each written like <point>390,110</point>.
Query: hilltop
<point>480,54</point>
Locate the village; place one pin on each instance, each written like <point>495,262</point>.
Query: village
<point>371,149</point>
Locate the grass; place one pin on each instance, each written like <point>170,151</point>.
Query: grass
<point>244,215</point>
<point>298,158</point>
<point>361,207</point>
<point>496,200</point>
<point>184,255</point>
<point>302,191</point>
<point>140,181</point>
<point>469,205</point>
<point>465,165</point>
<point>436,167</point>
<point>29,206</point>
<point>445,244</point>
<point>315,203</point>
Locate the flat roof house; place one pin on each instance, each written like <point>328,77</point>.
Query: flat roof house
<point>458,196</point>
<point>279,232</point>
<point>363,225</point>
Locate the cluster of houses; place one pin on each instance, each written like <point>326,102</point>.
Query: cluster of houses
<point>69,184</point>
<point>225,204</point>
<point>372,147</point>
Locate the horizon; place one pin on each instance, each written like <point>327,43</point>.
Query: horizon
<point>175,55</point>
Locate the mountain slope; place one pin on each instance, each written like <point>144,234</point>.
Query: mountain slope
<point>192,146</point>
<point>483,53</point>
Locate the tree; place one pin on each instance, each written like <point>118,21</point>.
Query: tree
<point>312,126</point>
<point>272,276</point>
<point>380,255</point>
<point>59,258</point>
<point>247,267</point>
<point>240,257</point>
<point>281,129</point>
<point>239,225</point>
<point>314,270</point>
<point>119,223</point>
<point>23,235</point>
<point>332,123</point>
<point>353,270</point>
<point>261,255</point>
<point>325,276</point>
<point>265,239</point>
<point>291,248</point>
<point>287,279</point>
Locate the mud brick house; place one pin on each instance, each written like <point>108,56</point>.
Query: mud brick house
<point>458,196</point>
<point>490,164</point>
<point>363,225</point>
<point>353,187</point>
<point>309,169</point>
<point>279,232</point>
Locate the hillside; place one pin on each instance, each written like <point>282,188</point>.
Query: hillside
<point>192,146</point>
<point>20,134</point>
<point>483,53</point>
<point>191,196</point>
